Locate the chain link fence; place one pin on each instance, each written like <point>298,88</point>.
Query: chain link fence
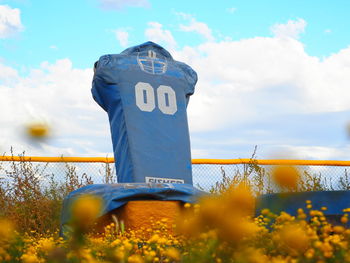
<point>211,177</point>
<point>208,175</point>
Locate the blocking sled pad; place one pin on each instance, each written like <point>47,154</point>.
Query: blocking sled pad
<point>117,195</point>
<point>145,93</point>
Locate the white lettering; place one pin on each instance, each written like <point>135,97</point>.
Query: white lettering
<point>145,98</point>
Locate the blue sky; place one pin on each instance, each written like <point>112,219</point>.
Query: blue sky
<point>271,73</point>
<point>82,31</point>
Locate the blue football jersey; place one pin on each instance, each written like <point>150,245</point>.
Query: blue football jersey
<point>145,93</point>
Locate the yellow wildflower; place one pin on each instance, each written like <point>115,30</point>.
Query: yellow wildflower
<point>29,258</point>
<point>116,242</point>
<point>127,245</point>
<point>135,259</point>
<point>85,210</point>
<point>119,255</point>
<point>295,238</point>
<point>265,211</point>
<point>309,253</point>
<point>344,219</point>
<point>286,176</point>
<point>6,229</point>
<point>209,210</point>
<point>173,254</point>
<point>338,229</point>
<point>187,205</point>
<point>239,200</point>
<point>47,244</point>
<point>235,229</point>
<point>38,129</point>
<point>154,238</point>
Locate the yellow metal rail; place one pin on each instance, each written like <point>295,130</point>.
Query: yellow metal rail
<point>194,161</point>
<point>272,162</point>
<point>57,159</point>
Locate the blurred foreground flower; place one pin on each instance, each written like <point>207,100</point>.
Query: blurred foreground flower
<point>6,229</point>
<point>229,215</point>
<point>85,211</point>
<point>239,200</point>
<point>294,238</point>
<point>38,130</point>
<point>286,176</point>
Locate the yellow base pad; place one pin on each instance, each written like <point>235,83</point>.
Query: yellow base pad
<point>137,214</point>
<point>144,214</point>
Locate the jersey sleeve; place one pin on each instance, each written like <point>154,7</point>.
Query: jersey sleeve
<point>191,78</point>
<point>98,93</point>
<point>106,69</point>
<point>105,75</point>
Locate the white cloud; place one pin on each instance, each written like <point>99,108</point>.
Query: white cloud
<point>10,21</point>
<point>309,152</point>
<point>120,4</point>
<point>240,84</point>
<point>231,10</point>
<point>197,27</point>
<point>156,33</point>
<point>292,29</point>
<point>247,80</point>
<point>122,36</point>
<point>7,75</point>
<point>59,95</point>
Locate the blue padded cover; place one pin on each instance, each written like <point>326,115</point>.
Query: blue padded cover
<point>335,201</point>
<point>116,195</point>
<point>145,93</point>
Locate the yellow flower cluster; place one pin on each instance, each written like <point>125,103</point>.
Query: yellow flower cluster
<point>6,236</point>
<point>85,210</point>
<point>217,229</point>
<point>38,129</point>
<point>286,176</point>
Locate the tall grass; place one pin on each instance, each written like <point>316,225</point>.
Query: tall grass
<point>259,179</point>
<point>32,198</point>
<point>219,228</point>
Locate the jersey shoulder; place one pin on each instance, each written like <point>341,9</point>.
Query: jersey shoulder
<point>189,73</point>
<point>109,67</point>
<point>111,61</point>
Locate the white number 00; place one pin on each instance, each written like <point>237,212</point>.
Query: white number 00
<point>145,98</point>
